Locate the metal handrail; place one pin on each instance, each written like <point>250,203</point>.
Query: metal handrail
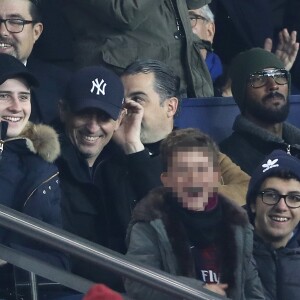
<point>100,255</point>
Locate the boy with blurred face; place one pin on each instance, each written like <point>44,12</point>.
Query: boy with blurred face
<point>187,229</point>
<point>273,203</point>
<point>192,177</point>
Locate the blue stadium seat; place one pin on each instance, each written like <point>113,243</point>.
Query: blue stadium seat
<point>216,115</point>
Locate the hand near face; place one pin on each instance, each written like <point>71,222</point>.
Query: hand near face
<point>128,133</point>
<point>217,288</point>
<point>287,47</point>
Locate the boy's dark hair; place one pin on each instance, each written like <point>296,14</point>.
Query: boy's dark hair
<point>166,82</point>
<point>184,140</point>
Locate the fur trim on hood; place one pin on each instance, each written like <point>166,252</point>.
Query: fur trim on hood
<point>42,140</point>
<point>153,207</point>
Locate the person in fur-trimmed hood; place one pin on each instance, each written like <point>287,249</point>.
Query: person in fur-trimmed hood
<point>186,229</point>
<point>28,178</point>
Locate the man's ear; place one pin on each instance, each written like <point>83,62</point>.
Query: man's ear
<point>164,178</point>
<point>37,31</point>
<point>211,30</point>
<point>120,118</point>
<point>253,206</point>
<point>172,105</point>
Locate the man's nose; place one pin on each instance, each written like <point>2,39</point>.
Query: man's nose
<point>281,205</point>
<point>272,85</point>
<point>93,122</point>
<point>3,30</point>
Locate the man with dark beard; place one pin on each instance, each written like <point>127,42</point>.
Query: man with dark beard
<point>260,87</point>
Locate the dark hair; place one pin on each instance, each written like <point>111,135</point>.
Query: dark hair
<point>183,140</point>
<point>166,82</point>
<point>35,11</point>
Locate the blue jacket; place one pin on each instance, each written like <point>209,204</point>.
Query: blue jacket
<point>29,183</point>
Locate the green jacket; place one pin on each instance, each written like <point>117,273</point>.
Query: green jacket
<point>156,238</point>
<point>116,33</point>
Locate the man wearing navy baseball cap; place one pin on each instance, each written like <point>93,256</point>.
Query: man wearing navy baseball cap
<point>90,113</point>
<point>273,204</point>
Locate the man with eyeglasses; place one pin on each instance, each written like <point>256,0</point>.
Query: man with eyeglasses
<point>260,87</point>
<point>203,25</point>
<point>273,205</point>
<point>20,28</point>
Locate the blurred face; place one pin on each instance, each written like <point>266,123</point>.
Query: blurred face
<point>19,44</point>
<point>192,177</point>
<point>89,131</point>
<point>268,103</point>
<point>15,106</point>
<point>157,121</point>
<point>275,223</point>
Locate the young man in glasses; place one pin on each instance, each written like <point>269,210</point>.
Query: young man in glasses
<point>273,204</point>
<point>260,87</point>
<point>20,28</point>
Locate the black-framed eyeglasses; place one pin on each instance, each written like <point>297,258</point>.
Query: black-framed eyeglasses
<point>195,18</point>
<point>292,200</point>
<point>15,25</point>
<point>259,79</point>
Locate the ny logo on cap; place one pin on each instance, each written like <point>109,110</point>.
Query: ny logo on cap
<point>270,164</point>
<point>99,86</point>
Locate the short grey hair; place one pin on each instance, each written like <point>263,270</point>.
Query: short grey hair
<point>207,13</point>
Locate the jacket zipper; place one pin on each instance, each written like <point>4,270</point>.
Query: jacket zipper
<point>1,148</point>
<point>45,181</point>
<point>179,33</point>
<point>1,139</point>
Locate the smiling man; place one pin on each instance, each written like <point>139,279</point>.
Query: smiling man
<point>20,28</point>
<point>90,114</point>
<point>273,203</point>
<point>260,87</point>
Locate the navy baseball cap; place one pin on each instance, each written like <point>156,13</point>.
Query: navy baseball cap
<point>11,67</point>
<point>95,87</point>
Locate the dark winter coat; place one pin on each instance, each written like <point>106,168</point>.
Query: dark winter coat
<point>84,209</point>
<point>279,269</point>
<point>248,145</point>
<point>29,183</point>
<point>158,239</point>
